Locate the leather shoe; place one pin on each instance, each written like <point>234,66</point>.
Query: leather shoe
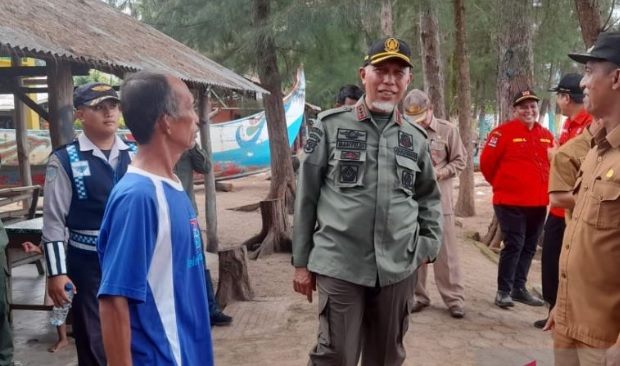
<point>418,306</point>
<point>540,324</point>
<point>503,300</point>
<point>523,296</point>
<point>457,312</point>
<point>220,319</point>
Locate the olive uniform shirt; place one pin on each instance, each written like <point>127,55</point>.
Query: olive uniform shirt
<point>588,304</point>
<point>566,163</point>
<point>374,196</point>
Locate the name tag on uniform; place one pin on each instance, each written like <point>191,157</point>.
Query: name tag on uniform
<point>80,168</point>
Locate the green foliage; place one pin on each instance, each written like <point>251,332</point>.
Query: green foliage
<point>96,76</point>
<point>330,37</point>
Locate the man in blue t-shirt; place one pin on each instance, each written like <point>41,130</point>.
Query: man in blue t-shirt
<point>152,298</point>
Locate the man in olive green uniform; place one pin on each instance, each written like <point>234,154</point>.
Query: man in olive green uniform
<point>6,341</point>
<point>449,158</point>
<point>367,180</point>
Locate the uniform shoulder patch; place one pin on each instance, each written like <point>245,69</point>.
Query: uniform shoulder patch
<point>334,111</point>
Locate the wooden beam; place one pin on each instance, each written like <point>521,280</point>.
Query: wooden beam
<point>21,137</point>
<point>12,90</point>
<point>23,97</point>
<point>34,90</point>
<point>8,86</point>
<point>210,201</point>
<point>32,82</point>
<point>23,71</point>
<point>60,84</point>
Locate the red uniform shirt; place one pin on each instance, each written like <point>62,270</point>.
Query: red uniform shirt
<point>514,161</point>
<point>571,128</point>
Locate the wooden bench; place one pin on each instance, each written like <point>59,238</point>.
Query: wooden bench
<point>19,232</point>
<point>20,204</point>
<point>18,207</point>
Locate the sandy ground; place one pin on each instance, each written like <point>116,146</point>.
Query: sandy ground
<point>279,327</point>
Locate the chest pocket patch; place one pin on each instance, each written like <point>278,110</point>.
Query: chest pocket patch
<point>80,169</point>
<point>406,170</point>
<point>602,206</point>
<point>349,169</point>
<point>349,173</point>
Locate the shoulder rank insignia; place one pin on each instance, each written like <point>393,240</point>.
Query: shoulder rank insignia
<point>361,112</point>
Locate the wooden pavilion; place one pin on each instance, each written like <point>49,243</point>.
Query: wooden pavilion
<point>69,37</point>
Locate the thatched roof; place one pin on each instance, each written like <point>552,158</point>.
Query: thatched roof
<point>92,33</point>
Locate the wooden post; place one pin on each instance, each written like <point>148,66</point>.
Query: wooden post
<point>60,85</point>
<point>209,181</point>
<point>21,135</point>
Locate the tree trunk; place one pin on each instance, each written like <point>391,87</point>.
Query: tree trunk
<point>589,20</point>
<point>493,237</point>
<point>544,109</point>
<point>516,62</point>
<point>282,176</point>
<point>431,58</point>
<point>234,280</point>
<point>386,19</point>
<point>274,236</point>
<point>465,206</point>
<point>515,70</point>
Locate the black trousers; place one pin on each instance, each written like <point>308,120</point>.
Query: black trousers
<point>552,246</point>
<point>521,227</point>
<point>84,270</point>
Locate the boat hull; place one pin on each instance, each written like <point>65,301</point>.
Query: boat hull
<point>239,147</point>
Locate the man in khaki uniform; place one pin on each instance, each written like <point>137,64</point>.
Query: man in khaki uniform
<point>586,317</point>
<point>449,158</point>
<point>367,180</point>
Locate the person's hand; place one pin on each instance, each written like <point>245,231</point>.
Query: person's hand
<point>29,247</point>
<point>550,321</point>
<point>612,356</point>
<point>56,289</point>
<point>304,282</point>
<point>439,174</point>
<point>551,151</point>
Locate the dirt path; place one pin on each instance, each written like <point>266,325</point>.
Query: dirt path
<point>279,327</point>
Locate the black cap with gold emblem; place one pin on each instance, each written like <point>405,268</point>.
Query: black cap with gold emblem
<point>92,94</point>
<point>388,48</point>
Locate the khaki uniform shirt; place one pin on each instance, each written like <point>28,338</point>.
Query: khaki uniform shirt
<point>373,195</point>
<point>566,163</point>
<point>588,304</point>
<point>449,157</point>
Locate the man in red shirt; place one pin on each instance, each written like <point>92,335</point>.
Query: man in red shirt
<point>514,161</point>
<point>569,99</point>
